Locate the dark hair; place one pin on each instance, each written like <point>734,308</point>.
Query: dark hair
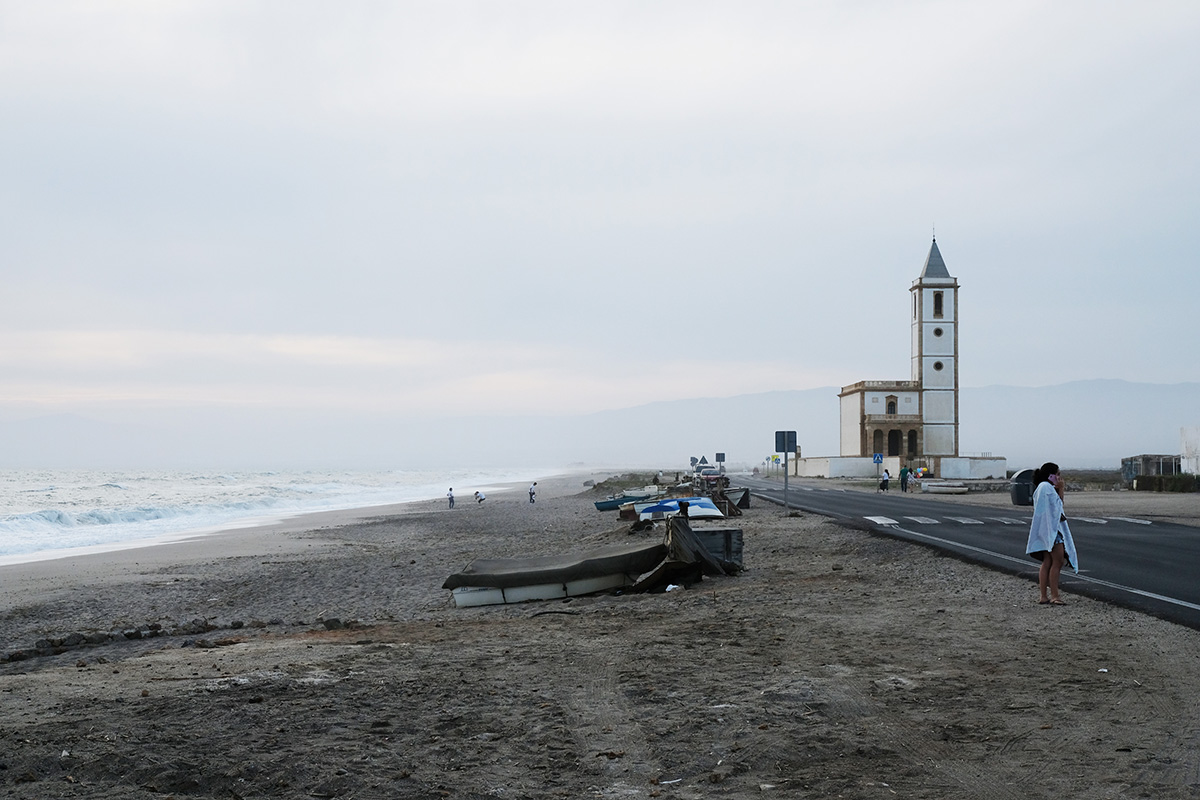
<point>1043,472</point>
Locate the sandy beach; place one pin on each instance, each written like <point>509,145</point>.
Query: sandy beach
<point>320,657</point>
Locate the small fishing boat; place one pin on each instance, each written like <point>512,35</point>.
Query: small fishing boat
<point>616,501</point>
<point>739,496</point>
<point>698,508</point>
<point>930,487</point>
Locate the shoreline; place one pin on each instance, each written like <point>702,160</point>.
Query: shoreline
<point>280,522</point>
<point>24,580</point>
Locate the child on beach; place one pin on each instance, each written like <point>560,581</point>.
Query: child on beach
<point>480,497</point>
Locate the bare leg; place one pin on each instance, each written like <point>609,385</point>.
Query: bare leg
<point>1044,579</point>
<point>1056,563</point>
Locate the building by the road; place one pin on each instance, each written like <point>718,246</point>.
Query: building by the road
<point>913,422</point>
<point>1149,464</point>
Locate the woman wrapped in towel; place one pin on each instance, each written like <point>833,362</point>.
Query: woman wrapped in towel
<point>1049,535</point>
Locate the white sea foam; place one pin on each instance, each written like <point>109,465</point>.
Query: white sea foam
<point>43,511</point>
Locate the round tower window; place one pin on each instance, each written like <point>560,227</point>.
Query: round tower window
<point>937,331</point>
<point>937,365</point>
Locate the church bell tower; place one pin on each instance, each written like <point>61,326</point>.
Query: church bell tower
<point>935,355</point>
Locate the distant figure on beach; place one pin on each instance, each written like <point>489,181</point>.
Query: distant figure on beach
<point>1049,534</point>
<point>480,497</point>
<point>450,496</point>
<point>904,473</point>
<point>532,491</point>
<point>883,482</point>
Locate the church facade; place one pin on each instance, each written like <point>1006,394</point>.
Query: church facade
<point>915,420</point>
<point>911,422</point>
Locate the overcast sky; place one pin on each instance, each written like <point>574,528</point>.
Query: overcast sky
<point>561,207</point>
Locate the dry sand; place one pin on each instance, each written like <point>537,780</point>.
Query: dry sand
<point>840,664</point>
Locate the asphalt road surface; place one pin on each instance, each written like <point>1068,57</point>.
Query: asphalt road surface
<point>1148,566</point>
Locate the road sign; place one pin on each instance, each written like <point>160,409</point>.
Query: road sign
<point>720,459</point>
<point>785,441</point>
<point>878,458</point>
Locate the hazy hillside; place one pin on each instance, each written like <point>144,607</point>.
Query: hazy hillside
<point>1081,424</point>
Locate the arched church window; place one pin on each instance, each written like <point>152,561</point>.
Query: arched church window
<point>937,305</point>
<point>891,407</point>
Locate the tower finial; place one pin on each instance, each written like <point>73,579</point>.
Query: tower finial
<point>935,231</point>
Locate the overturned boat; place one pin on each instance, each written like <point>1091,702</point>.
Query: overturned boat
<point>682,557</point>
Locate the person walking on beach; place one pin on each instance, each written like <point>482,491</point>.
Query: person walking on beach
<point>904,471</point>
<point>532,491</point>
<point>1049,534</point>
<point>883,482</point>
<point>450,496</point>
<point>480,497</point>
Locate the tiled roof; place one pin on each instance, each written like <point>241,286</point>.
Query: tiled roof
<point>935,267</point>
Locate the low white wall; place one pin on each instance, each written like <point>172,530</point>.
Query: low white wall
<point>844,467</point>
<point>958,469</point>
<point>973,468</point>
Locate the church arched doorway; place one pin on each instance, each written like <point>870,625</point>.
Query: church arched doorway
<point>893,443</point>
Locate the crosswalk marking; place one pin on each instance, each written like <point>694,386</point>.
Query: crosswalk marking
<point>1009,520</point>
<point>1131,519</point>
<point>965,520</point>
<point>923,520</point>
<point>1092,520</point>
<point>882,520</point>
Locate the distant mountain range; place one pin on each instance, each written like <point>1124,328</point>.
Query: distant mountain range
<point>1080,424</point>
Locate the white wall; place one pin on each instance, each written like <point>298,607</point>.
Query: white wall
<point>973,468</point>
<point>850,418</point>
<point>1189,450</point>
<point>939,345</point>
<point>951,468</point>
<point>841,468</point>
<point>939,407</point>
<point>938,439</point>
<point>938,379</point>
<point>877,402</point>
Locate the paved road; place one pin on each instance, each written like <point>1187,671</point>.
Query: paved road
<point>1149,566</point>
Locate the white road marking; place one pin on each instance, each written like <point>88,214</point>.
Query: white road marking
<point>1080,576</point>
<point>924,520</point>
<point>965,520</point>
<point>882,520</point>
<point>1131,519</point>
<point>1092,520</point>
<point>1009,520</point>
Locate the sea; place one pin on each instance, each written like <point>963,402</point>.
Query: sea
<point>53,513</point>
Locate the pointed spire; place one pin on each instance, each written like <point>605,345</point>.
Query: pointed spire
<point>935,267</point>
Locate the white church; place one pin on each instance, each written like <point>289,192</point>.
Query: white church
<point>913,423</point>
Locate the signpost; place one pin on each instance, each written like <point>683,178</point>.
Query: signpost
<point>785,442</point>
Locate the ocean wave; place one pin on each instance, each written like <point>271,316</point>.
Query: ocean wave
<point>66,509</point>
